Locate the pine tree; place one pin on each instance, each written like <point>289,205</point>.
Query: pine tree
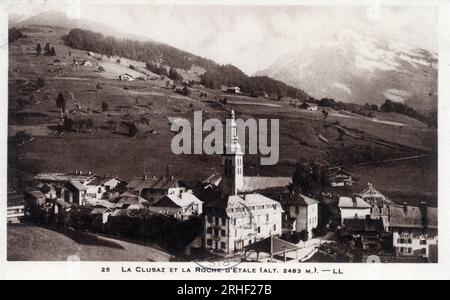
<point>47,49</point>
<point>105,106</point>
<point>61,103</point>
<point>38,49</point>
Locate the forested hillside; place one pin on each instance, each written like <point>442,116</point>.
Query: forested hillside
<point>215,76</point>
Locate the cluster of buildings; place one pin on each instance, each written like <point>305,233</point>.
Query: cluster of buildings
<point>238,213</point>
<point>105,196</point>
<point>370,214</point>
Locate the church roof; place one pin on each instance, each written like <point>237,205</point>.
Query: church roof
<point>258,183</point>
<point>159,183</point>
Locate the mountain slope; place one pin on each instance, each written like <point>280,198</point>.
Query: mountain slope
<point>60,19</point>
<point>361,69</point>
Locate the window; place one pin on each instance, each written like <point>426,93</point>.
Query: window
<point>224,222</point>
<point>409,241</point>
<point>217,220</point>
<point>234,222</point>
<point>223,245</point>
<point>423,242</point>
<point>209,230</point>
<point>222,232</point>
<point>216,232</point>
<point>267,218</point>
<point>210,219</point>
<point>209,242</point>
<point>296,210</point>
<point>99,190</point>
<point>274,227</point>
<point>259,229</point>
<point>235,232</point>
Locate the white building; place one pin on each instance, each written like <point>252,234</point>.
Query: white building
<point>181,206</point>
<point>353,208</point>
<point>237,220</point>
<point>243,220</point>
<point>380,205</point>
<point>304,211</point>
<point>414,231</point>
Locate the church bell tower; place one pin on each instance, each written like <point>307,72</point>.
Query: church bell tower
<point>233,160</point>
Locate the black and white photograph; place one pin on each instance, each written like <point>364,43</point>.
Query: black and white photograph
<point>222,135</point>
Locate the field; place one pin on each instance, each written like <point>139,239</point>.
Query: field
<point>303,134</point>
<point>33,243</point>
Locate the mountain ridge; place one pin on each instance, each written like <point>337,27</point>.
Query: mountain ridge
<point>351,67</point>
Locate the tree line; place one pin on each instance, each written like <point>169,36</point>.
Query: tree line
<point>14,34</point>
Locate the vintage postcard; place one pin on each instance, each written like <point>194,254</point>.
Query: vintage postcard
<point>239,140</point>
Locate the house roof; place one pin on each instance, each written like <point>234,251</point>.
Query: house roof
<point>340,171</point>
<point>130,199</point>
<point>272,245</point>
<point>252,184</point>
<point>371,193</point>
<point>363,225</point>
<point>100,203</point>
<point>213,179</point>
<point>356,202</point>
<point>78,185</point>
<point>250,204</point>
<point>63,203</point>
<point>412,216</point>
<point>62,177</point>
<point>98,181</point>
<point>159,183</point>
<point>183,200</point>
<point>301,200</point>
<point>36,194</point>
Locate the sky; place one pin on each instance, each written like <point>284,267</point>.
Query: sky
<point>250,37</point>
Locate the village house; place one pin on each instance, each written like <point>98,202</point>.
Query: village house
<point>308,106</point>
<point>415,230</point>
<point>341,178</point>
<point>131,201</point>
<point>240,220</point>
<point>15,207</point>
<point>54,182</point>
<point>380,205</point>
<point>353,208</point>
<point>154,188</point>
<point>34,198</point>
<point>126,77</point>
<point>303,213</point>
<point>181,206</point>
<point>367,231</point>
<point>236,220</point>
<point>233,90</point>
<point>75,192</point>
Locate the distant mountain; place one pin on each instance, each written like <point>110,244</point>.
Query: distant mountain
<point>60,19</point>
<point>357,68</point>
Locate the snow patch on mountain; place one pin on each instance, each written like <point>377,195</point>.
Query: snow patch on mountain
<point>396,95</point>
<point>342,87</point>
